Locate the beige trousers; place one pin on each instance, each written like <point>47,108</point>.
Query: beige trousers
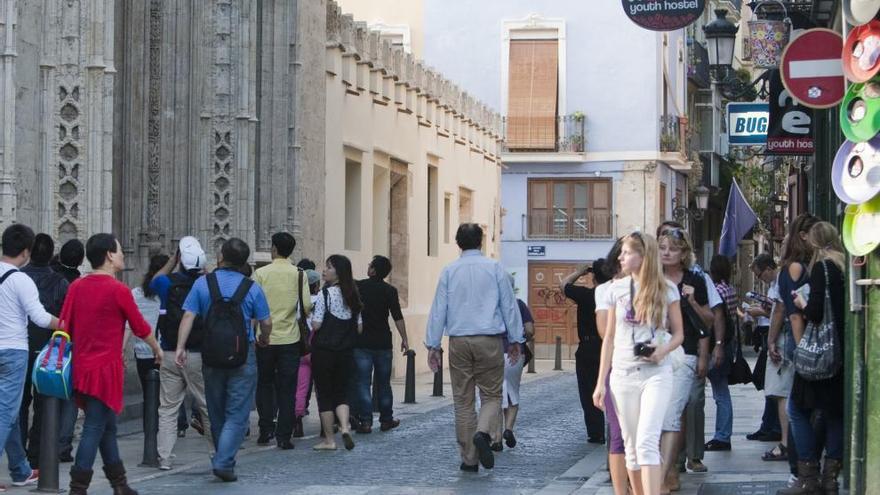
<point>475,362</point>
<point>174,383</point>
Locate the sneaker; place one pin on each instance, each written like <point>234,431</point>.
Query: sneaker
<point>298,428</point>
<point>196,424</point>
<point>265,437</point>
<point>165,464</point>
<point>225,476</point>
<point>697,466</point>
<point>65,456</point>
<point>509,439</point>
<point>469,469</point>
<point>33,478</point>
<point>497,447</point>
<point>3,487</point>
<point>482,441</point>
<point>363,428</point>
<point>389,425</point>
<point>716,446</point>
<point>181,433</point>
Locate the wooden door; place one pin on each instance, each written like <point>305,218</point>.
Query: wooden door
<point>555,315</point>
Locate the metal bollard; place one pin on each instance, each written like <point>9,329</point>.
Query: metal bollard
<point>558,366</point>
<point>438,379</point>
<point>48,481</point>
<point>151,420</point>
<point>532,362</point>
<point>409,395</point>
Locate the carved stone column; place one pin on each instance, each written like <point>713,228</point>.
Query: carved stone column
<point>8,199</point>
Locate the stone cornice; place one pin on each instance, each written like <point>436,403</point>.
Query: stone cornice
<point>356,40</point>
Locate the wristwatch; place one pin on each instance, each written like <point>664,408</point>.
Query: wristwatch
<point>719,342</point>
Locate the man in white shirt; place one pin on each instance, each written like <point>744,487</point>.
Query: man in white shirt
<point>19,300</point>
<point>474,305</point>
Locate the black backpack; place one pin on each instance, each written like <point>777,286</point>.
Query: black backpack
<point>169,322</point>
<point>52,288</point>
<point>225,343</point>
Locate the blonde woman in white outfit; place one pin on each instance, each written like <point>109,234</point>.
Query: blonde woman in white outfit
<point>644,327</point>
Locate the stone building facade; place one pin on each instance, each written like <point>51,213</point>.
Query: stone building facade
<point>156,119</point>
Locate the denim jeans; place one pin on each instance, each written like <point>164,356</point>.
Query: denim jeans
<point>804,432</point>
<point>230,395</point>
<point>98,433</point>
<point>721,394</point>
<point>365,361</point>
<point>13,367</point>
<point>277,370</point>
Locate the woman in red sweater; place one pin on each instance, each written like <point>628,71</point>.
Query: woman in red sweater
<point>95,312</point>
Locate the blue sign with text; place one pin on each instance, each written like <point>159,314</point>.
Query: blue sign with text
<point>747,123</point>
<point>537,251</point>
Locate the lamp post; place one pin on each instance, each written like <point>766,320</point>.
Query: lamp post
<point>701,203</point>
<point>721,42</point>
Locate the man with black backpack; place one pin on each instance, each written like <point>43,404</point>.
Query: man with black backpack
<point>174,381</point>
<point>52,287</point>
<point>227,302</point>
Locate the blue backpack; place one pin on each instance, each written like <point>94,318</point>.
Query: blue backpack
<point>51,375</point>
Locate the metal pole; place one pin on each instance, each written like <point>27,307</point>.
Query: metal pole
<point>151,419</point>
<point>558,366</point>
<point>438,379</point>
<point>409,396</point>
<point>48,481</point>
<point>532,362</point>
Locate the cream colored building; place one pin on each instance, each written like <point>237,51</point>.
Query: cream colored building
<point>398,21</point>
<point>409,157</point>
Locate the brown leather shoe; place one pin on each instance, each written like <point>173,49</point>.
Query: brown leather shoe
<point>364,428</point>
<point>389,425</point>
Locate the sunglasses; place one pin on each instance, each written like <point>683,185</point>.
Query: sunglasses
<point>675,234</point>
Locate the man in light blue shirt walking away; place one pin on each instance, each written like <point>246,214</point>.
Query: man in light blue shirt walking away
<point>474,305</point>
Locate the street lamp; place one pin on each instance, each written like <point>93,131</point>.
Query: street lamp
<point>721,41</point>
<point>701,201</point>
<point>721,38</point>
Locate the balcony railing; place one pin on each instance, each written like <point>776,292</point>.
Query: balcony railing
<point>673,131</point>
<point>559,224</point>
<point>561,134</point>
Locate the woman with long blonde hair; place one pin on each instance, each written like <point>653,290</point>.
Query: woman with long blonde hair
<point>644,327</point>
<point>826,286</point>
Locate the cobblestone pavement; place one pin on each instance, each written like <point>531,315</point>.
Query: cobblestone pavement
<point>419,457</point>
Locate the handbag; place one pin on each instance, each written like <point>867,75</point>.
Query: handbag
<point>740,372</point>
<point>305,332</point>
<point>818,355</point>
<point>52,368</point>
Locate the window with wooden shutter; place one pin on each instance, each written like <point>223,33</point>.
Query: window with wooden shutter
<point>569,208</point>
<point>532,91</point>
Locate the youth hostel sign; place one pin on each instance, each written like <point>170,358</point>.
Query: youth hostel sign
<point>663,15</point>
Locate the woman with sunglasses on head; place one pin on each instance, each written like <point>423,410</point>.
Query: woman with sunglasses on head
<point>644,327</point>
<point>677,258</point>
<point>827,289</point>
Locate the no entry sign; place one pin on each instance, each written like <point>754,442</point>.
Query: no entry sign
<point>812,70</point>
<point>663,15</point>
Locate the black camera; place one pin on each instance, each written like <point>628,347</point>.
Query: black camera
<point>643,349</point>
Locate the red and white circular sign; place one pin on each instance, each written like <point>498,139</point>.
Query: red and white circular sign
<point>812,70</point>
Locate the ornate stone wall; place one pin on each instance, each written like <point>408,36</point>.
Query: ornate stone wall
<point>57,115</point>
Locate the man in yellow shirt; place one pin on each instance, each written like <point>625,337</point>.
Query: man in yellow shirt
<point>278,363</point>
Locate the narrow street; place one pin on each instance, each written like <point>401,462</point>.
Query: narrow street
<point>418,457</point>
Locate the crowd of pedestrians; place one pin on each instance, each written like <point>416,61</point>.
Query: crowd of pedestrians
<point>666,325</point>
<point>652,327</point>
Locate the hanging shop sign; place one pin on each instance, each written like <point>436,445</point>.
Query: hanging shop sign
<point>663,15</point>
<point>747,123</point>
<point>858,12</point>
<point>812,70</point>
<point>855,174</point>
<point>791,124</point>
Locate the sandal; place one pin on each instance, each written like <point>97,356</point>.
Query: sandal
<point>771,454</point>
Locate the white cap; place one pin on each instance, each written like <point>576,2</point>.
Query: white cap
<point>192,256</point>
